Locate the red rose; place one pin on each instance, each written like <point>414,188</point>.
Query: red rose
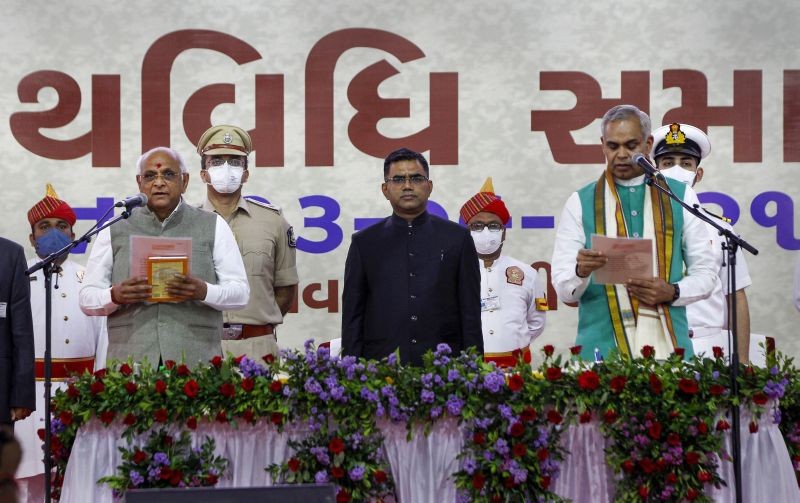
<point>139,456</point>
<point>342,496</point>
<point>545,482</point>
<point>98,387</point>
<point>519,450</point>
<point>704,476</point>
<point>654,431</point>
<point>222,417</point>
<point>191,388</point>
<point>609,416</point>
<point>238,360</point>
<point>554,416</point>
<point>478,481</point>
<point>692,494</point>
<point>617,383</point>
<point>161,415</point>
<point>248,415</point>
<point>65,417</point>
<point>107,416</point>
<point>680,352</point>
<point>718,353</point>
<point>716,389</point>
<point>588,380</point>
<point>656,386</point>
<point>671,478</point>
<point>336,445</point>
<point>73,392</point>
<point>478,438</point>
<point>648,351</point>
<point>131,387</point>
<point>585,417</point>
<point>276,418</point>
<point>101,373</point>
<point>515,383</point>
<point>576,350</point>
<point>753,427</point>
<point>643,491</point>
<point>275,386</point>
<point>40,433</point>
<point>248,384</point>
<point>674,414</point>
<point>166,473</point>
<point>380,476</point>
<point>517,429</point>
<point>674,439</point>
<point>723,425</point>
<point>509,483</point>
<point>647,465</point>
<point>216,361</point>
<point>548,349</point>
<point>337,472</point>
<point>176,477</point>
<point>191,423</point>
<point>649,415</point>
<point>160,387</point>
<point>183,370</point>
<point>211,479</point>
<point>125,369</point>
<point>628,465</point>
<point>760,398</point>
<point>553,373</point>
<point>268,358</point>
<point>227,390</point>
<point>130,419</point>
<point>692,457</point>
<point>528,414</point>
<point>702,427</point>
<point>169,364</point>
<point>542,454</point>
<point>688,386</point>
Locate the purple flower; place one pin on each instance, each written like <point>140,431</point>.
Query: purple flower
<point>436,411</point>
<point>494,381</point>
<point>641,440</point>
<point>715,374</point>
<point>391,360</point>
<point>321,453</point>
<point>697,376</point>
<point>250,368</point>
<point>776,416</point>
<point>369,395</point>
<point>454,405</point>
<point>470,465</point>
<point>453,375</point>
<point>357,473</point>
<point>483,423</point>
<point>443,349</point>
<point>774,370</point>
<point>312,386</point>
<point>427,396</point>
<point>506,412</point>
<point>426,380</point>
<point>321,477</point>
<point>161,458</point>
<point>501,446</point>
<point>136,478</point>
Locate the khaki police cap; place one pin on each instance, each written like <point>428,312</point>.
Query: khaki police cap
<point>225,140</point>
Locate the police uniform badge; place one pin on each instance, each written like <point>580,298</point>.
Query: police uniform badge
<point>227,139</point>
<point>514,275</point>
<point>290,236</point>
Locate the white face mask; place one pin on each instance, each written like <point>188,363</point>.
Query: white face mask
<point>226,178</point>
<point>680,174</point>
<point>486,241</point>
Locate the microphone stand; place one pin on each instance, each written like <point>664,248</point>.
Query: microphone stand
<point>49,268</point>
<point>731,244</point>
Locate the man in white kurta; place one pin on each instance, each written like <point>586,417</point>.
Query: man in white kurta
<point>77,341</point>
<point>513,302</point>
<point>678,150</point>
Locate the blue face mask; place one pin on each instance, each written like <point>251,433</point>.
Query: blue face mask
<point>50,242</point>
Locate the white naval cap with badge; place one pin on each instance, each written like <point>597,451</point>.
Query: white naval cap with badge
<point>683,139</point>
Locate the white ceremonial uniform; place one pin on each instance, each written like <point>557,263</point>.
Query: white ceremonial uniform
<point>708,318</point>
<point>510,320</point>
<point>74,335</point>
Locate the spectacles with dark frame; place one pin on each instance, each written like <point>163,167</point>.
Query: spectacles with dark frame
<point>167,176</point>
<point>236,162</point>
<point>401,180</point>
<point>479,226</point>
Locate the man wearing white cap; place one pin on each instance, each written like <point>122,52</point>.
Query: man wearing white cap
<point>513,303</point>
<point>678,150</point>
<point>265,239</point>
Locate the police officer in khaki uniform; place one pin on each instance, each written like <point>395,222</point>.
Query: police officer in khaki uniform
<point>265,239</point>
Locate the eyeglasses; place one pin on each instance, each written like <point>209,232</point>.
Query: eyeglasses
<point>479,226</point>
<point>236,162</point>
<point>401,180</point>
<point>167,176</point>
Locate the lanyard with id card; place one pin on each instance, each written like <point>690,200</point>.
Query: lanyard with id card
<point>490,303</point>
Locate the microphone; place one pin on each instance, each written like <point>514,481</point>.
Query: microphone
<point>132,202</point>
<point>648,168</point>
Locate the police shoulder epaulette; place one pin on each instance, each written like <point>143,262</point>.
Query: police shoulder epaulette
<point>719,217</point>
<point>269,206</point>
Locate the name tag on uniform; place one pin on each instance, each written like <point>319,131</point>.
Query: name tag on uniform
<point>490,303</point>
<point>3,309</point>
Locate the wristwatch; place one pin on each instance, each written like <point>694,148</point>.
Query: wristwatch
<point>677,293</point>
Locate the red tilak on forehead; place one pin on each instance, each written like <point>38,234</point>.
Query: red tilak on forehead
<point>158,165</point>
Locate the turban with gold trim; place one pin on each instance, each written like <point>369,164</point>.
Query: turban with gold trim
<point>51,207</point>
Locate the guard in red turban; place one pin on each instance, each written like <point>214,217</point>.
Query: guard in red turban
<point>51,222</point>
